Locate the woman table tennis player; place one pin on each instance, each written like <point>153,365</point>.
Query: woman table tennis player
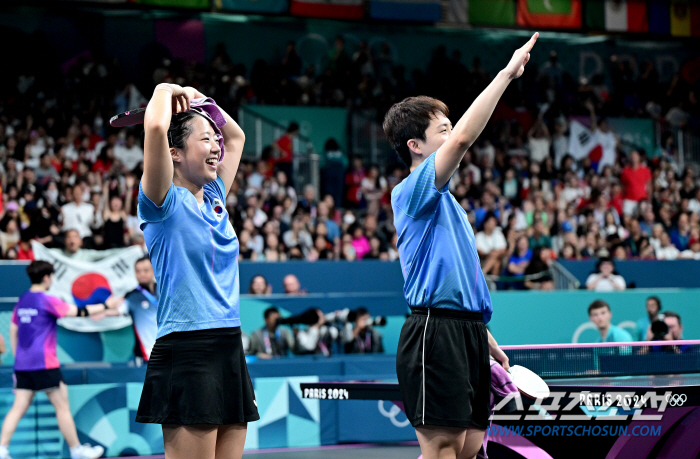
<point>197,384</point>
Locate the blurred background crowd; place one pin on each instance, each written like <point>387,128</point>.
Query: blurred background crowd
<point>62,167</point>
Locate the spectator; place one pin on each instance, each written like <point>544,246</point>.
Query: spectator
<point>600,314</point>
<point>333,171</point>
<point>520,259</point>
<point>284,151</point>
<point>9,235</point>
<point>540,236</point>
<point>360,337</point>
<point>605,279</point>
<point>653,308</point>
<point>73,248</point>
<point>130,154</point>
<point>259,286</point>
<point>317,338</point>
<point>666,250</point>
<point>353,184</point>
<point>680,235</point>
<point>360,243</point>
<point>373,187</point>
<point>115,216</point>
<point>298,237</point>
<point>271,341</point>
<point>537,273</point>
<point>292,285</point>
<point>636,182</point>
<point>491,246</point>
<point>77,214</point>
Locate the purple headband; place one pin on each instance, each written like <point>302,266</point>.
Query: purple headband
<point>208,109</point>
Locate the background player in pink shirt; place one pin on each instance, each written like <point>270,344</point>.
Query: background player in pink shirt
<point>33,340</point>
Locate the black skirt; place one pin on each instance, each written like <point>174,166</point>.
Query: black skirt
<point>198,377</point>
<point>443,367</point>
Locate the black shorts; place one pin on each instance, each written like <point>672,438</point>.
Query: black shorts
<point>198,377</point>
<point>443,367</point>
<point>38,380</point>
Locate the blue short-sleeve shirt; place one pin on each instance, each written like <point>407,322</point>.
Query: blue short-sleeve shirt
<point>194,252</point>
<point>436,246</point>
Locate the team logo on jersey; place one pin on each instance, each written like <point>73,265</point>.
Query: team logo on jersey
<point>219,208</point>
<point>145,304</point>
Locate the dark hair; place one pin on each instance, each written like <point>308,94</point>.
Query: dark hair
<point>673,314</point>
<point>38,269</point>
<point>250,288</point>
<point>489,215</point>
<point>331,145</point>
<point>657,300</point>
<point>604,260</point>
<point>143,258</point>
<point>271,310</point>
<point>180,129</point>
<point>293,127</point>
<point>598,304</point>
<point>361,311</point>
<point>408,120</point>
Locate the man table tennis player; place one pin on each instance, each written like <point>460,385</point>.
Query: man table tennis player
<point>442,360</point>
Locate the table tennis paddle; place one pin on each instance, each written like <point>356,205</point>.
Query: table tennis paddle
<point>528,383</point>
<point>129,118</point>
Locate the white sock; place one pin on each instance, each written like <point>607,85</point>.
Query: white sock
<point>76,448</point>
<point>3,450</point>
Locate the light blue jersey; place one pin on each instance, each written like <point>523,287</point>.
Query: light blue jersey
<point>436,246</point>
<point>143,307</point>
<point>194,252</point>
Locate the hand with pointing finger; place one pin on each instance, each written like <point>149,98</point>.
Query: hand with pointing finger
<point>521,56</point>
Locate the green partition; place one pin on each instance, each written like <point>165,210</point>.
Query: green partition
<point>555,317</point>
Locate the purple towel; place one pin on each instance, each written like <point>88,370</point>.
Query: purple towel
<point>501,387</point>
<point>208,109</point>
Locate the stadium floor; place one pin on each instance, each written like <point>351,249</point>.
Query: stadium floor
<point>404,450</point>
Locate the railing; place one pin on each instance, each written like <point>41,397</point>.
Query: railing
<point>687,142</point>
<point>367,139</point>
<point>563,279</point>
<point>261,132</point>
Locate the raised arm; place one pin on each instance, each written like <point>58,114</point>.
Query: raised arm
<point>234,138</point>
<point>470,125</point>
<point>157,163</point>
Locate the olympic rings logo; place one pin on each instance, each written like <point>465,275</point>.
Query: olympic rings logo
<point>676,399</point>
<point>391,414</point>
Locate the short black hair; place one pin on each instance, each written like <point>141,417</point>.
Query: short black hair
<point>270,311</point>
<point>408,120</point>
<point>38,269</point>
<point>293,127</point>
<point>657,300</point>
<point>143,258</point>
<point>180,129</point>
<point>597,304</point>
<point>361,311</point>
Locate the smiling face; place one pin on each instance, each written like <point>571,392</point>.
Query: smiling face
<point>198,162</point>
<point>436,134</point>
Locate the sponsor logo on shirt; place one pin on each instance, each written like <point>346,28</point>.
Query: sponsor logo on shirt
<point>145,304</point>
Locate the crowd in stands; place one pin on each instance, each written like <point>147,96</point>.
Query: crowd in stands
<point>62,167</point>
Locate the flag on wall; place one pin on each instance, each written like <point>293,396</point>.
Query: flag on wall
<point>659,17</point>
<point>406,10</point>
<point>550,14</point>
<point>617,15</point>
<point>329,9</point>
<point>685,19</point>
<point>82,283</point>
<point>491,12</point>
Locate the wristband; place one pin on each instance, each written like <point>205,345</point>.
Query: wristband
<point>83,312</point>
<point>164,88</point>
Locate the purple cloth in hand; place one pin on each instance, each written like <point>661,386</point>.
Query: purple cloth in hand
<point>501,387</point>
<point>208,109</point>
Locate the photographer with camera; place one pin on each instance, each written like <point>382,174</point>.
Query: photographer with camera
<point>359,336</point>
<point>318,337</point>
<point>271,341</point>
<point>666,327</point>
